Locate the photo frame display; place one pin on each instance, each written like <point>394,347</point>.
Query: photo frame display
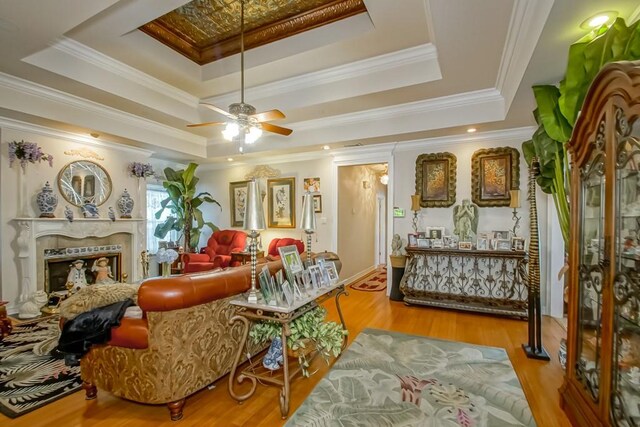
<point>467,246</point>
<point>282,208</point>
<point>437,243</point>
<point>237,200</point>
<point>501,235</point>
<point>503,244</point>
<point>436,179</point>
<point>494,172</point>
<point>517,244</point>
<point>423,243</point>
<point>291,261</point>
<point>434,232</point>
<point>482,244</point>
<point>412,239</point>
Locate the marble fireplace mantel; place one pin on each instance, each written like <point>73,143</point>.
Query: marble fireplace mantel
<point>30,229</point>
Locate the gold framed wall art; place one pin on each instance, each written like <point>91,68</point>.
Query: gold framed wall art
<point>436,180</point>
<point>237,200</point>
<point>494,171</point>
<point>282,206</point>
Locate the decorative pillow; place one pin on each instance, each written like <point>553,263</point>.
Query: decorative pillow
<point>95,296</point>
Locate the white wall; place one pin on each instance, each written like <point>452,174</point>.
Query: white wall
<point>116,161</point>
<point>217,183</point>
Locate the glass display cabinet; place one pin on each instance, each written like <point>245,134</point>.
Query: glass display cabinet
<point>602,381</point>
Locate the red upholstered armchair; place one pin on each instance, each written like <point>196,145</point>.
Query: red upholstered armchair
<point>273,254</point>
<point>217,253</point>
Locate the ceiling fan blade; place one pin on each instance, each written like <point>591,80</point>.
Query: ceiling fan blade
<point>266,116</point>
<point>219,110</point>
<point>197,125</point>
<point>276,129</point>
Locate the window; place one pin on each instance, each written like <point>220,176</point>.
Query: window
<point>155,195</point>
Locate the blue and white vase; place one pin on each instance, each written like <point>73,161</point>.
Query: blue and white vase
<point>274,357</point>
<point>68,213</point>
<point>125,205</point>
<point>47,201</point>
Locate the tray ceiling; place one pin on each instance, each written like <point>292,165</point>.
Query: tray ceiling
<point>207,30</point>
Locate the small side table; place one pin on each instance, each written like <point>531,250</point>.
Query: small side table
<point>244,257</point>
<point>254,372</point>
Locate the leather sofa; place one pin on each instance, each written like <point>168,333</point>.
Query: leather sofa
<point>217,253</point>
<point>272,252</point>
<point>182,343</point>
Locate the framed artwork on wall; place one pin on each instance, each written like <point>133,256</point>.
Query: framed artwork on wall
<point>317,203</point>
<point>312,185</point>
<point>494,171</point>
<point>237,199</point>
<point>436,180</point>
<point>282,207</point>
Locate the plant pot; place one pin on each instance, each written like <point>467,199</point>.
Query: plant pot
<point>398,261</point>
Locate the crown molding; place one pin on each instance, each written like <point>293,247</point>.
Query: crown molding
<point>43,92</point>
<point>403,110</point>
<point>353,70</point>
<point>98,59</point>
<point>528,19</point>
<point>17,125</point>
<point>496,137</point>
<point>270,160</point>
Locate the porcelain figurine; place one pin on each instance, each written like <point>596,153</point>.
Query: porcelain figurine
<point>125,205</point>
<point>68,213</point>
<point>77,275</point>
<point>465,220</point>
<point>112,214</point>
<point>31,307</point>
<point>47,201</point>
<point>90,210</point>
<point>102,271</point>
<point>274,357</point>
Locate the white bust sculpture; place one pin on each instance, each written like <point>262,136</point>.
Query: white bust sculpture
<point>31,307</point>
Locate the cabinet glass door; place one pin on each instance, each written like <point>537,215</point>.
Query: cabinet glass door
<point>626,286</point>
<point>591,270</point>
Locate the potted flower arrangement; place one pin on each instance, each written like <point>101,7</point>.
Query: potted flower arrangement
<point>27,152</point>
<point>166,257</point>
<point>309,332</point>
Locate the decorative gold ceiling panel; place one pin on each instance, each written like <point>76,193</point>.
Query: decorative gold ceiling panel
<point>206,30</point>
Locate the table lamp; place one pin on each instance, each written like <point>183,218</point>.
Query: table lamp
<point>515,204</point>
<point>253,223</point>
<point>415,207</point>
<point>308,221</point>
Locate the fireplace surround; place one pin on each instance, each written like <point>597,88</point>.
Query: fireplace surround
<point>86,232</point>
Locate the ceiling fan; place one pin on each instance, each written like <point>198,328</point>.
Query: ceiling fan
<point>244,118</point>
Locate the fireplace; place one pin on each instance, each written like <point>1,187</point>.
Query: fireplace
<point>58,262</point>
<point>57,234</point>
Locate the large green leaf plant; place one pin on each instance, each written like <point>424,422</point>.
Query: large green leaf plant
<point>559,106</point>
<point>184,204</point>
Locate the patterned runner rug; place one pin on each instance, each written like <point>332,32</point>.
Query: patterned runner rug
<point>391,379</point>
<point>375,281</point>
<point>30,375</point>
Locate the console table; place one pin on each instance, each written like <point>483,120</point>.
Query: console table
<point>254,371</point>
<point>474,280</point>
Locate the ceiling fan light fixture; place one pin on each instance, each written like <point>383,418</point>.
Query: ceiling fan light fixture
<point>231,131</point>
<point>252,134</point>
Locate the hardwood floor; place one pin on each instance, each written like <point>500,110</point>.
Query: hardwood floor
<point>540,380</point>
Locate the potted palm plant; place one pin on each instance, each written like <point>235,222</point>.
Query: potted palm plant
<point>184,204</point>
<point>309,332</point>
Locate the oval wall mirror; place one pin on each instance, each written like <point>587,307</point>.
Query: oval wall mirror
<point>84,182</point>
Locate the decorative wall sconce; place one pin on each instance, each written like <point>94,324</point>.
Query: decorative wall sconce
<point>515,204</point>
<point>415,207</point>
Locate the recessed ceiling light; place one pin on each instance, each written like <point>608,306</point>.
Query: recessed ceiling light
<point>229,159</point>
<point>326,147</point>
<point>471,130</point>
<point>599,19</point>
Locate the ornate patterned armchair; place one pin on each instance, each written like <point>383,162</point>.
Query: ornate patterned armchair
<point>217,253</point>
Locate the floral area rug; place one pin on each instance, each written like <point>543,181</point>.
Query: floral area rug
<point>391,379</point>
<point>31,374</point>
<point>376,281</point>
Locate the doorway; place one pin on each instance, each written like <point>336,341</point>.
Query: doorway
<point>361,218</point>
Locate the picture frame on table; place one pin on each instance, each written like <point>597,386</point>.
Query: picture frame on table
<point>502,235</point>
<point>412,239</point>
<point>332,273</point>
<point>313,271</point>
<point>281,193</point>
<point>436,179</point>
<point>517,244</point>
<point>467,246</point>
<point>482,244</point>
<point>306,278</point>
<point>503,244</point>
<point>437,243</point>
<point>434,232</point>
<point>237,199</point>
<point>288,293</point>
<point>494,172</point>
<point>423,243</point>
<point>291,261</point>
